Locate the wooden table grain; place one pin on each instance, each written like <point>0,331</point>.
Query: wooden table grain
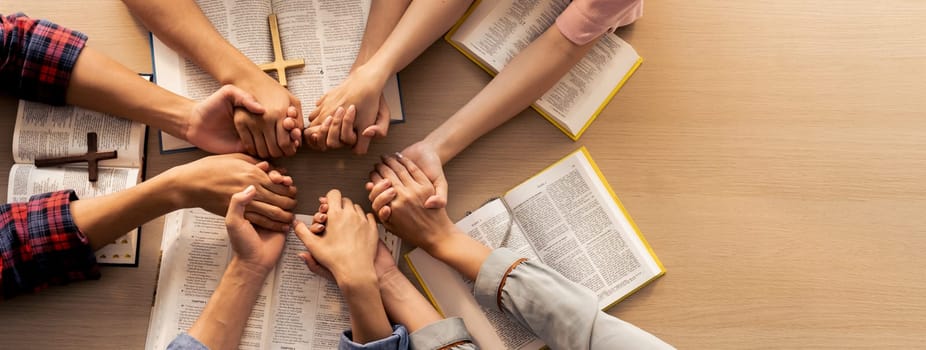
<point>773,154</point>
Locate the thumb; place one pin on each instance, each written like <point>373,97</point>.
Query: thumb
<point>381,127</point>
<point>308,238</point>
<point>439,199</point>
<point>240,98</point>
<point>235,214</point>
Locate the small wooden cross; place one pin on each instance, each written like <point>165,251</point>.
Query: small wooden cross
<point>279,64</point>
<point>92,157</point>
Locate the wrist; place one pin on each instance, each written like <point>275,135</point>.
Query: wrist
<point>247,270</point>
<point>442,144</point>
<point>355,281</point>
<point>248,78</point>
<point>372,73</point>
<point>180,125</point>
<point>439,241</point>
<point>170,186</point>
<point>391,280</point>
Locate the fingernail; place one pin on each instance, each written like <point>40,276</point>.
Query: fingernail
<point>399,155</point>
<point>248,190</point>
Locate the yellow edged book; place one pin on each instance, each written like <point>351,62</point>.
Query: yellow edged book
<point>566,217</point>
<point>492,32</point>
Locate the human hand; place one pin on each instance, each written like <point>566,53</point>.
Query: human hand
<point>211,125</point>
<point>347,246</point>
<point>258,249</point>
<point>277,131</point>
<point>328,134</point>
<point>406,194</point>
<point>426,158</point>
<point>384,263</point>
<point>362,89</point>
<point>210,182</point>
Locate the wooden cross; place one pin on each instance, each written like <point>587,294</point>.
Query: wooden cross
<point>92,157</point>
<point>279,64</point>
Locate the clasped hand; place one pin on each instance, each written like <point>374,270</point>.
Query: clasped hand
<point>357,104</point>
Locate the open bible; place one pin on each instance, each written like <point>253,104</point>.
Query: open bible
<point>566,217</point>
<point>296,309</point>
<point>44,131</point>
<point>493,31</point>
<point>326,34</point>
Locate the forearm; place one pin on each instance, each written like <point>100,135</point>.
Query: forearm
<point>103,219</point>
<point>461,252</point>
<point>183,27</point>
<point>422,23</point>
<point>404,304</point>
<point>384,15</point>
<point>102,84</point>
<point>222,322</point>
<point>526,77</point>
<point>367,315</point>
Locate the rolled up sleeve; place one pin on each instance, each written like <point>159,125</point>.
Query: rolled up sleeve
<point>448,333</point>
<point>37,58</point>
<point>40,245</point>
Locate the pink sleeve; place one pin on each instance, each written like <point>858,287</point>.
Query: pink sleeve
<point>584,20</point>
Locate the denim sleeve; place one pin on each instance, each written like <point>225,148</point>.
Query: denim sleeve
<point>397,341</point>
<point>448,333</point>
<point>186,342</point>
<point>563,314</point>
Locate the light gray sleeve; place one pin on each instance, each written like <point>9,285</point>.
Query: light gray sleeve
<point>448,333</point>
<point>563,314</point>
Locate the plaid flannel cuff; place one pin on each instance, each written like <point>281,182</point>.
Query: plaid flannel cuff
<point>48,53</point>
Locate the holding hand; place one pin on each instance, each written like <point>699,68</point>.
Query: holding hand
<point>346,250</point>
<point>211,125</point>
<point>348,242</point>
<point>210,182</point>
<point>363,90</point>
<point>275,132</point>
<point>405,191</point>
<point>256,249</point>
<point>384,263</point>
<point>423,155</point>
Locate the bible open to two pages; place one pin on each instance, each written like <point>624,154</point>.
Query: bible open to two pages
<point>44,131</point>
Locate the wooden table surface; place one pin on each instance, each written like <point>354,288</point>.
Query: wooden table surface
<point>773,154</point>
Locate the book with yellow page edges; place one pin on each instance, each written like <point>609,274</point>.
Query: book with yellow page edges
<point>567,217</point>
<point>492,32</point>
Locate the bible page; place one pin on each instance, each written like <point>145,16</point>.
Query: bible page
<point>497,30</point>
<point>579,229</point>
<point>308,311</point>
<point>490,226</point>
<point>453,296</point>
<point>192,264</point>
<point>44,131</point>
<point>580,94</point>
<point>27,180</point>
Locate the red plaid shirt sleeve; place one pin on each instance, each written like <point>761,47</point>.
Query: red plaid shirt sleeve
<point>41,246</point>
<point>37,58</point>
